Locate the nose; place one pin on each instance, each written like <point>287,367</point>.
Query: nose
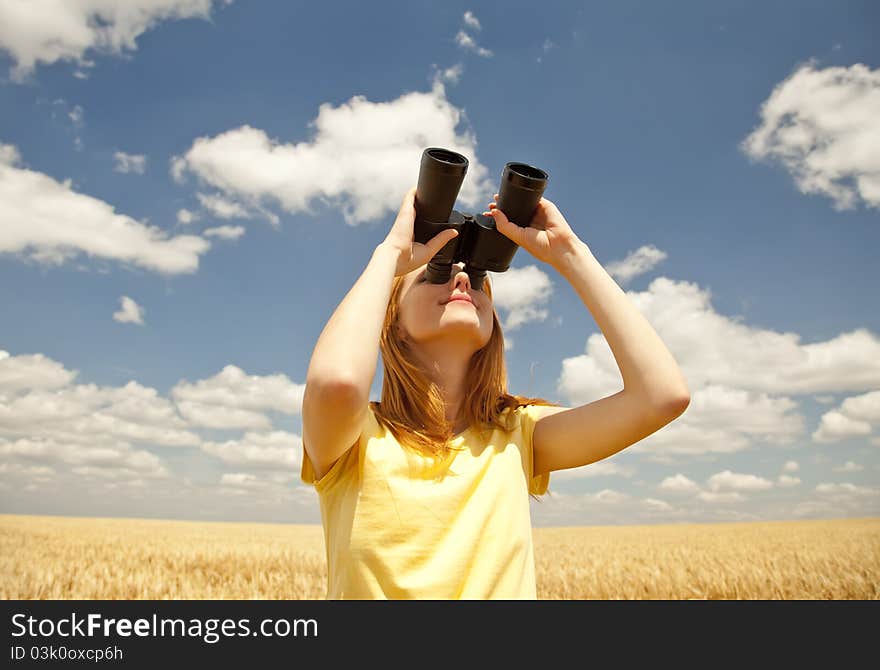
<point>460,278</point>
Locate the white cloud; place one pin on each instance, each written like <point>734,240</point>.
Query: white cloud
<point>9,155</point>
<point>824,126</point>
<point>716,497</point>
<point>69,118</point>
<point>847,489</point>
<point>222,208</point>
<point>186,217</point>
<point>338,166</point>
<point>51,223</point>
<point>604,468</point>
<point>76,116</point>
<point>131,312</point>
<point>31,371</point>
<point>89,414</point>
<point>607,506</point>
<point>234,399</point>
<point>610,497</point>
<point>728,480</point>
<point>636,263</point>
<point>732,371</point>
<point>116,460</point>
<point>849,466</point>
<point>449,74</point>
<point>723,487</point>
<point>126,163</point>
<point>46,31</point>
<point>224,232</point>
<point>76,443</point>
<point>790,466</point>
<point>548,44</point>
<point>836,426</point>
<point>266,488</point>
<point>713,349</point>
<point>787,481</point>
<point>43,415</point>
<point>238,479</point>
<point>815,509</point>
<point>853,418</point>
<point>467,43</point>
<point>275,449</point>
<point>679,484</point>
<point>523,293</point>
<point>847,499</point>
<point>21,470</point>
<point>657,505</point>
<point>471,20</point>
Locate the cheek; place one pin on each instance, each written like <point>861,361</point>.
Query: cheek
<point>412,311</point>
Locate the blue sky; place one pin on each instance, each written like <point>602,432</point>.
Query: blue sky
<point>188,189</point>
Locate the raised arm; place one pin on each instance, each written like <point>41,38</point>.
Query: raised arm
<point>655,391</point>
<point>344,359</point>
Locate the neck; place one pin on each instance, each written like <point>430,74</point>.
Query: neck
<point>446,364</point>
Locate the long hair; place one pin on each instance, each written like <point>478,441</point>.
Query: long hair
<point>412,405</point>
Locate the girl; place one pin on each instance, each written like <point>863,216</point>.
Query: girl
<point>426,493</point>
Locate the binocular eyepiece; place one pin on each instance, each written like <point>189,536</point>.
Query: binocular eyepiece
<point>478,245</point>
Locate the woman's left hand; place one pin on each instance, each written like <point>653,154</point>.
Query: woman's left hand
<point>548,235</point>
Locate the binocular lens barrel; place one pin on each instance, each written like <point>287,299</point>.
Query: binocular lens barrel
<point>440,177</point>
<point>522,187</point>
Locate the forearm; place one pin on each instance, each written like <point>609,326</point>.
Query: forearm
<point>348,348</point>
<point>645,363</point>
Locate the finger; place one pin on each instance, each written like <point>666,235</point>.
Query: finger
<point>439,241</point>
<point>409,199</point>
<point>407,211</point>
<point>504,226</point>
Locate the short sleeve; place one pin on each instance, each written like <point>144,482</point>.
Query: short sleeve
<point>343,465</point>
<point>529,415</point>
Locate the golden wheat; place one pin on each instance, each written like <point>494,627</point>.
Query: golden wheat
<point>60,558</point>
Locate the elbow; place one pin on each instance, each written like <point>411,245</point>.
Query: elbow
<point>667,403</point>
<point>339,391</point>
<point>676,405</point>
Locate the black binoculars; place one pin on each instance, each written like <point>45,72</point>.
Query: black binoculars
<point>478,245</point>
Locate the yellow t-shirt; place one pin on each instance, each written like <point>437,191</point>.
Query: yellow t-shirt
<point>397,527</point>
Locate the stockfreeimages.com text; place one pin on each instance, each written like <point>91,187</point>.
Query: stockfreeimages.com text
<point>210,630</point>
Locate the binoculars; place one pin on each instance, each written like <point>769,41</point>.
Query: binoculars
<point>478,245</point>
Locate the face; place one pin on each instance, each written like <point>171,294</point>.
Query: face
<point>427,314</point>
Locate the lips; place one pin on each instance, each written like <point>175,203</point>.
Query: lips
<point>461,296</point>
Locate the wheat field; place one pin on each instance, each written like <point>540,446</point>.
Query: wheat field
<point>59,558</point>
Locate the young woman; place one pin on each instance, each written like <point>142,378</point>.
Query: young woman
<point>426,493</point>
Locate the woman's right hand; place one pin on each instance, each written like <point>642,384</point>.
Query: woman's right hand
<point>412,254</point>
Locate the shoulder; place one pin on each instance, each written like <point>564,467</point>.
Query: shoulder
<point>516,418</point>
<point>529,416</point>
<point>534,412</point>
